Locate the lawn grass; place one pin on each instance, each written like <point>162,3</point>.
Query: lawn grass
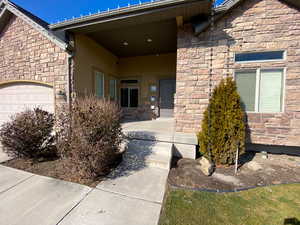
<point>260,206</point>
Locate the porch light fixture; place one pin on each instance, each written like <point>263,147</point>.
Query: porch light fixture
<point>125,43</point>
<point>149,40</point>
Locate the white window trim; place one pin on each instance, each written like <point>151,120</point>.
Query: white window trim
<point>257,91</point>
<point>261,61</point>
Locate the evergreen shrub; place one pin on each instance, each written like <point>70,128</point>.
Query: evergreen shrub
<point>223,126</point>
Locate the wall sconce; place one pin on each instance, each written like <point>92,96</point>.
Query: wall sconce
<point>153,88</point>
<point>62,93</point>
<point>153,99</point>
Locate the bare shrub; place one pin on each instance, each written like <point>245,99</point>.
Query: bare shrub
<point>29,135</point>
<point>90,137</point>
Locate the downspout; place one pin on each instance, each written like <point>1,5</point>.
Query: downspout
<point>70,78</point>
<point>70,64</point>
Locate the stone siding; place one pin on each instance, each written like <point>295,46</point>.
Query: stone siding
<point>26,54</point>
<point>254,25</point>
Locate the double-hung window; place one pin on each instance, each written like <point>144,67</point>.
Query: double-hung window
<point>99,84</point>
<point>261,90</point>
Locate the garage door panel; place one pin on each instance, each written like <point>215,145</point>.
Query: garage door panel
<point>15,98</point>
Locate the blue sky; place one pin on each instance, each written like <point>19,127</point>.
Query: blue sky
<point>54,10</point>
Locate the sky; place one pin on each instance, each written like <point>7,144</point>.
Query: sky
<point>53,11</point>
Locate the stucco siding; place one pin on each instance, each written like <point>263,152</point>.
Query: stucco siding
<point>90,56</point>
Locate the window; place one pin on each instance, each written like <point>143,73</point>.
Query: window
<point>113,89</point>
<point>129,81</point>
<point>261,90</point>
<point>99,84</point>
<point>129,97</point>
<point>259,56</point>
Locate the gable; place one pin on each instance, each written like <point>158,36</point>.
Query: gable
<point>227,9</point>
<point>227,5</point>
<point>8,10</point>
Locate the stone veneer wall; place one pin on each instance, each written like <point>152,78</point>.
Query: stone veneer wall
<point>254,25</point>
<point>26,54</point>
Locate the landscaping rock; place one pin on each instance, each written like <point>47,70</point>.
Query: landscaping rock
<point>254,166</point>
<point>205,166</point>
<point>227,178</point>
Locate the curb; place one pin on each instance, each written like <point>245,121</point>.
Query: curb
<point>177,187</point>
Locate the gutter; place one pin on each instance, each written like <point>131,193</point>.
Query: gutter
<point>220,11</point>
<point>160,4</point>
<point>202,26</point>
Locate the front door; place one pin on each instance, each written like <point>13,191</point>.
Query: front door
<point>167,91</point>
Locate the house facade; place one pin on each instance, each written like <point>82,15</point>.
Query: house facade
<point>159,59</point>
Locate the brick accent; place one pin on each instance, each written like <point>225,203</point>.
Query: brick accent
<point>256,25</point>
<point>26,54</point>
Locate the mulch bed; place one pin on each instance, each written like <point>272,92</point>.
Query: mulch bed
<point>277,169</point>
<point>54,168</point>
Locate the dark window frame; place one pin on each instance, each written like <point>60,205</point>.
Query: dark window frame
<point>129,100</point>
<point>266,56</point>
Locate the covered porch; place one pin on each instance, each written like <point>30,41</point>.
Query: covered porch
<point>134,66</point>
<point>130,55</point>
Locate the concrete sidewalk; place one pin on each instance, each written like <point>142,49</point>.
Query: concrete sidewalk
<point>28,199</point>
<point>131,195</point>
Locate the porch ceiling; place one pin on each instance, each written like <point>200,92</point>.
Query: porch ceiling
<point>144,39</point>
<point>158,25</point>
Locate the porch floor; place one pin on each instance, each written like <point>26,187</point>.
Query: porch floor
<point>162,130</point>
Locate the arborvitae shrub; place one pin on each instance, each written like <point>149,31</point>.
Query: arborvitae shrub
<point>223,126</point>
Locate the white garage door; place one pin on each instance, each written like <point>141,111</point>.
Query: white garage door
<point>17,97</point>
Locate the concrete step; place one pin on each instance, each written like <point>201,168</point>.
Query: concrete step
<point>149,153</point>
<point>159,161</point>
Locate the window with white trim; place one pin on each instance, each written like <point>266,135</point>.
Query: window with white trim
<point>99,84</point>
<point>113,89</point>
<point>261,90</point>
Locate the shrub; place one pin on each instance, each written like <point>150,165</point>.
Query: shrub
<point>90,141</point>
<point>226,131</point>
<point>29,135</point>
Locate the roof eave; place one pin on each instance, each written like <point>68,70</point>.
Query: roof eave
<point>119,13</point>
<point>10,8</point>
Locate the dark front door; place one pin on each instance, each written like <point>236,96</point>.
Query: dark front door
<point>167,92</point>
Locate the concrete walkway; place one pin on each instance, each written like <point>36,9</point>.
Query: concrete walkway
<point>131,195</point>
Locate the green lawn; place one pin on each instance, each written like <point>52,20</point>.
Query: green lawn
<point>260,206</point>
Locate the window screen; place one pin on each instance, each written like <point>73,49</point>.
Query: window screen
<point>112,89</point>
<point>259,56</point>
<point>99,84</point>
<point>246,85</point>
<point>270,99</point>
